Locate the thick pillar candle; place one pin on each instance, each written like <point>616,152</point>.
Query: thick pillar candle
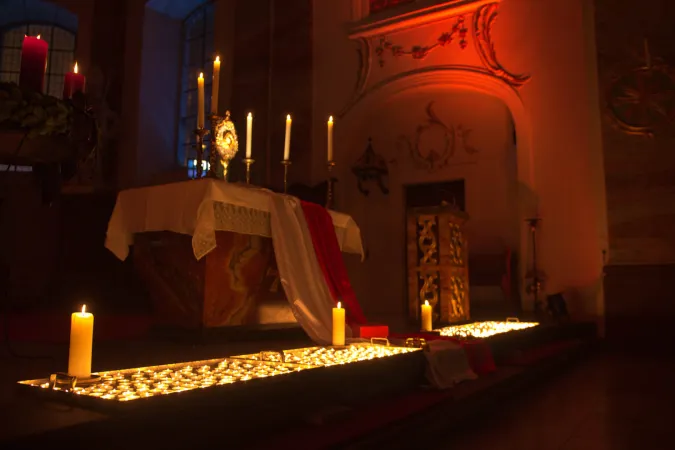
<point>215,87</point>
<point>287,141</point>
<point>81,340</point>
<point>249,134</point>
<point>33,63</point>
<point>330,139</point>
<point>74,82</point>
<point>426,316</point>
<point>339,325</point>
<point>200,101</point>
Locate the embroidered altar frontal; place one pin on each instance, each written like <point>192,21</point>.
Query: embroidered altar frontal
<point>437,260</point>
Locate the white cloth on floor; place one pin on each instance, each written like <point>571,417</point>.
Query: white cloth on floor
<point>447,364</point>
<point>301,276</point>
<point>199,208</point>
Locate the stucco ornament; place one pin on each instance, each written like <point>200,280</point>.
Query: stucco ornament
<point>435,143</point>
<point>641,100</point>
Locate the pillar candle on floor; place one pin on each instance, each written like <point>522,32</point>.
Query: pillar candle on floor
<point>73,82</point>
<point>33,63</point>
<point>81,341</point>
<point>339,325</point>
<point>426,316</point>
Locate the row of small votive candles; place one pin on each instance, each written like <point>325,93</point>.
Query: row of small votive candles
<point>82,337</point>
<point>215,89</point>
<point>34,66</point>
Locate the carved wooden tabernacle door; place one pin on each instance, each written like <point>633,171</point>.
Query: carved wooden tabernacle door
<point>438,263</point>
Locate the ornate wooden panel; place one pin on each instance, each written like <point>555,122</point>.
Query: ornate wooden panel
<point>438,263</point>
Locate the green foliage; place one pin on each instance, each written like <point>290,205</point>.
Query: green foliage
<point>39,114</point>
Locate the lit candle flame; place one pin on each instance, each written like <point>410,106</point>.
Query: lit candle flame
<point>201,75</point>
<point>75,67</point>
<point>217,58</point>
<point>84,309</point>
<point>250,116</point>
<point>330,119</point>
<point>38,36</point>
<point>339,305</point>
<point>288,118</point>
<point>426,302</point>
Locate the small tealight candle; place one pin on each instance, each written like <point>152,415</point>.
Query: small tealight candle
<point>426,316</point>
<point>339,325</point>
<point>81,341</point>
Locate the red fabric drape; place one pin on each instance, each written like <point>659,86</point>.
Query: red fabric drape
<point>329,256</point>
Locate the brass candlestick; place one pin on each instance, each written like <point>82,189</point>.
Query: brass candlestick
<point>329,194</point>
<point>286,163</point>
<point>248,162</point>
<point>199,146</point>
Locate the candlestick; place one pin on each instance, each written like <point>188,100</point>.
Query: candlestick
<point>199,147</point>
<point>330,138</point>
<point>286,163</point>
<point>200,101</point>
<point>287,141</point>
<point>215,86</point>
<point>339,325</point>
<point>33,63</point>
<point>329,194</point>
<point>73,82</point>
<point>426,316</point>
<point>249,134</point>
<point>248,162</point>
<point>81,341</point>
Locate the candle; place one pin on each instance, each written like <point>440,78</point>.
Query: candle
<point>287,142</point>
<point>249,134</point>
<point>81,340</point>
<point>339,325</point>
<point>426,316</point>
<point>200,101</point>
<point>215,86</point>
<point>330,138</point>
<point>33,63</point>
<point>74,82</point>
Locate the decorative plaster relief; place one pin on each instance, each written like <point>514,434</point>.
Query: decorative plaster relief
<point>421,51</point>
<point>435,143</point>
<point>483,21</point>
<point>641,99</point>
<point>484,15</point>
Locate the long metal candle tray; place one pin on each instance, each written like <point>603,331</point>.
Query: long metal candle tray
<point>332,356</point>
<point>118,388</point>
<point>483,330</point>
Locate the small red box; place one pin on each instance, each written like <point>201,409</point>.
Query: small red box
<point>370,331</point>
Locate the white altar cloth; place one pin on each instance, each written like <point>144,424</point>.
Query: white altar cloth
<point>200,208</point>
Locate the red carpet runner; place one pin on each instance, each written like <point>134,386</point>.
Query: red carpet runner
<point>330,259</point>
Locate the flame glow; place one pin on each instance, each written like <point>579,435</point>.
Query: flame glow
<point>75,67</point>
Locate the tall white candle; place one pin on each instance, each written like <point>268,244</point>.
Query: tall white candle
<point>339,325</point>
<point>426,316</point>
<point>249,134</point>
<point>330,138</point>
<point>200,101</point>
<point>287,141</point>
<point>81,341</point>
<point>215,86</point>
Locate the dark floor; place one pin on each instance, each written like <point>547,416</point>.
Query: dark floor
<point>612,401</point>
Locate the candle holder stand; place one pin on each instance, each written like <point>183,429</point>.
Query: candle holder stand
<point>199,147</point>
<point>248,162</point>
<point>286,163</point>
<point>329,193</point>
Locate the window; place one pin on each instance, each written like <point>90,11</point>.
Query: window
<point>197,57</point>
<point>59,58</point>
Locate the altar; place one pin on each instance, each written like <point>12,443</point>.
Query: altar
<point>204,251</point>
